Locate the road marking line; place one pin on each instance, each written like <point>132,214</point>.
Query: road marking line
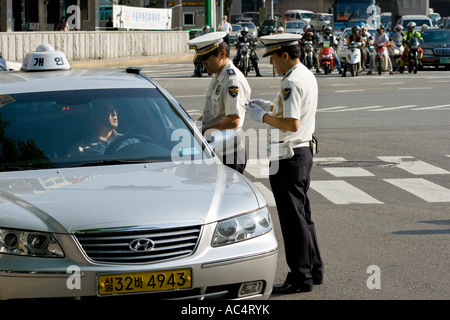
<point>423,189</point>
<point>433,107</point>
<point>344,91</point>
<point>421,88</point>
<point>348,172</point>
<point>267,193</point>
<point>414,166</point>
<point>362,108</point>
<point>395,108</point>
<point>341,192</point>
<point>332,109</point>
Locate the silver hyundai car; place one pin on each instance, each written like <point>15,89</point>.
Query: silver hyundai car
<point>107,188</point>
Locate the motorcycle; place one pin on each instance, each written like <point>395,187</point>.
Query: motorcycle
<point>326,57</point>
<point>379,62</point>
<point>413,55</point>
<point>395,50</point>
<point>308,60</point>
<point>353,58</point>
<point>244,62</point>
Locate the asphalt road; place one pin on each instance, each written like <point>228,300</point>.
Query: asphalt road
<point>380,189</point>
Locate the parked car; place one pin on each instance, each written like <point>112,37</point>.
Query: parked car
<point>269,26</point>
<point>253,16</point>
<point>235,31</point>
<point>295,26</point>
<point>420,20</point>
<point>320,20</point>
<point>436,48</point>
<point>304,15</point>
<point>141,205</point>
<point>251,28</point>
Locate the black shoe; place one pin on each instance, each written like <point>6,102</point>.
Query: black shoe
<point>344,75</point>
<point>259,75</point>
<point>317,281</point>
<point>288,288</point>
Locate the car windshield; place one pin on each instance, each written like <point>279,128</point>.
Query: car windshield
<point>419,22</point>
<point>71,128</point>
<point>436,36</point>
<point>236,27</point>
<point>294,24</point>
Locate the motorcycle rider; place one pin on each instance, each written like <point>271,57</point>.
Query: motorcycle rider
<point>410,32</point>
<point>356,37</point>
<point>310,35</point>
<point>205,29</point>
<point>245,37</point>
<point>397,35</point>
<point>381,40</point>
<point>327,35</point>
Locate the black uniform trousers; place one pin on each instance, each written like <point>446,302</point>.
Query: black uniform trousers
<point>290,185</point>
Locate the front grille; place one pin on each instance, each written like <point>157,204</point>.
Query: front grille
<point>442,51</point>
<point>113,245</point>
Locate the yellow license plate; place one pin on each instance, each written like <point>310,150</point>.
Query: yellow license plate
<point>144,281</point>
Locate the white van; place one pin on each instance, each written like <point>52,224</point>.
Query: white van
<point>304,15</point>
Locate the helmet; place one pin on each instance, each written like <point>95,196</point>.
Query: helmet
<point>244,29</point>
<point>307,28</point>
<point>411,25</point>
<point>327,28</point>
<point>398,27</point>
<point>355,28</point>
<point>206,27</point>
<point>361,24</point>
<point>280,29</point>
<point>381,26</point>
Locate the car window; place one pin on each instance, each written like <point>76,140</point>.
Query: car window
<point>61,128</point>
<point>306,15</point>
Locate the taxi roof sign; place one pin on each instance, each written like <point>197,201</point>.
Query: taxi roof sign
<point>45,58</point>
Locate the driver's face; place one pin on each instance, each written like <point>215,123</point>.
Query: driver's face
<point>113,119</point>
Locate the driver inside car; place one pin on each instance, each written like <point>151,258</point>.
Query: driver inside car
<point>105,121</point>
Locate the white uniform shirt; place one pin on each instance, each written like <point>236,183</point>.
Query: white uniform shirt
<point>228,93</point>
<point>225,27</point>
<point>297,98</point>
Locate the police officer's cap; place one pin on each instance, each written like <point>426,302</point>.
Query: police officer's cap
<point>277,41</point>
<point>206,44</point>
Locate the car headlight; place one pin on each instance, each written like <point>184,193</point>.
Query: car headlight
<point>242,227</point>
<point>29,243</point>
<point>428,51</point>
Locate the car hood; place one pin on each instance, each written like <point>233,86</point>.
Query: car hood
<point>435,45</point>
<point>67,200</point>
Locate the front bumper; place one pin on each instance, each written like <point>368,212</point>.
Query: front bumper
<point>216,272</point>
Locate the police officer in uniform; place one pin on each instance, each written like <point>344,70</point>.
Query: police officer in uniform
<point>293,113</point>
<point>227,94</point>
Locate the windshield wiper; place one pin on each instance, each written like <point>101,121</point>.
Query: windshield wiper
<point>109,162</point>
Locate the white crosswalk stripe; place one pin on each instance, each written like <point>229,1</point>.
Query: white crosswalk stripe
<point>343,192</point>
<point>414,166</point>
<point>422,188</point>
